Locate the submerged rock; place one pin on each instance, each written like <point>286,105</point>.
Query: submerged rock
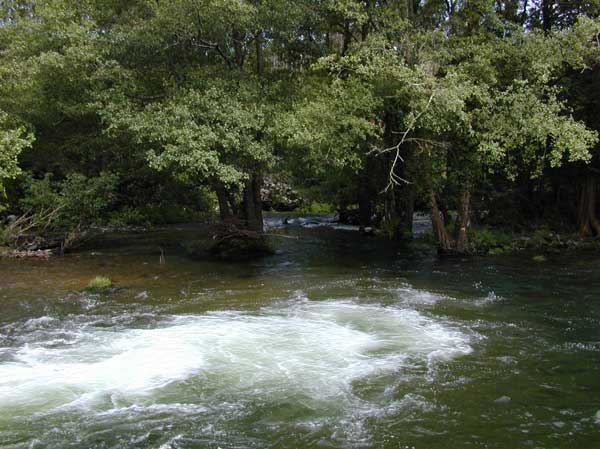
<point>142,295</point>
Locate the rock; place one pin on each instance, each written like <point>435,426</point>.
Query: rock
<point>503,400</point>
<point>368,230</point>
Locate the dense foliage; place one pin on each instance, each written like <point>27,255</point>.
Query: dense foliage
<point>476,111</point>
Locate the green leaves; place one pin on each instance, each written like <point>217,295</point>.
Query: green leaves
<point>13,139</point>
<point>215,133</point>
<point>521,129</point>
<point>334,124</point>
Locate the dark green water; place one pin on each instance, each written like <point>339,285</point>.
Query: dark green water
<point>337,341</point>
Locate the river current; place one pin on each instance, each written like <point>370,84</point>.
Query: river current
<point>336,341</point>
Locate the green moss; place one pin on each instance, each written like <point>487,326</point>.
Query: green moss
<point>539,258</point>
<point>99,282</point>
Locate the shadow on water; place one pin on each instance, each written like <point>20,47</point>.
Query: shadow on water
<point>336,340</point>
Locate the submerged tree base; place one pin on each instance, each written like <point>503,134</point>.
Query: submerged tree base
<point>450,252</point>
<point>230,243</point>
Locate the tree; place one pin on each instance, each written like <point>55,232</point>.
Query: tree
<point>204,104</point>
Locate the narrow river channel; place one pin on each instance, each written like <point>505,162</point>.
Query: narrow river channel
<point>336,341</point>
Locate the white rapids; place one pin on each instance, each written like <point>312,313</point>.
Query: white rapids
<point>306,351</point>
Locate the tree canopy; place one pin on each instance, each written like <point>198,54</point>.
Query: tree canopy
<point>386,106</point>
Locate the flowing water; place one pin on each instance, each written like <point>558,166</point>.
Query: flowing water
<point>336,341</point>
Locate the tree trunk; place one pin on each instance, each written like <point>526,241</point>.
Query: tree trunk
<point>365,209</point>
<point>367,193</point>
<point>260,59</point>
<point>224,209</point>
<point>399,210</point>
<point>547,15</point>
<point>445,242</point>
<point>407,211</point>
<point>346,37</point>
<point>249,207</point>
<point>587,218</point>
<point>406,194</point>
<point>257,183</point>
<point>253,217</point>
<point>238,48</point>
<point>402,195</point>
<point>399,198</point>
<point>366,26</point>
<point>464,219</point>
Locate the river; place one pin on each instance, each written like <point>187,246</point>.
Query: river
<point>336,341</point>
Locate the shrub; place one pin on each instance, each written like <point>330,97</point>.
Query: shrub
<point>40,194</point>
<point>392,228</point>
<point>4,238</point>
<point>541,237</point>
<point>81,201</point>
<point>316,207</point>
<point>87,199</point>
<point>128,216</point>
<point>491,241</point>
<point>158,214</point>
<point>429,236</point>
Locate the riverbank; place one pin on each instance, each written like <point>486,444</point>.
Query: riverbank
<point>494,242</point>
<point>200,240</point>
<point>218,241</point>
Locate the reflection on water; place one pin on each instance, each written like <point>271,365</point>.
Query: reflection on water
<point>338,340</point>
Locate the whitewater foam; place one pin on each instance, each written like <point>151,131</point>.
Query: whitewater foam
<point>306,351</point>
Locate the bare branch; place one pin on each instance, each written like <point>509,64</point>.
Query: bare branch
<point>394,179</point>
<point>201,43</point>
